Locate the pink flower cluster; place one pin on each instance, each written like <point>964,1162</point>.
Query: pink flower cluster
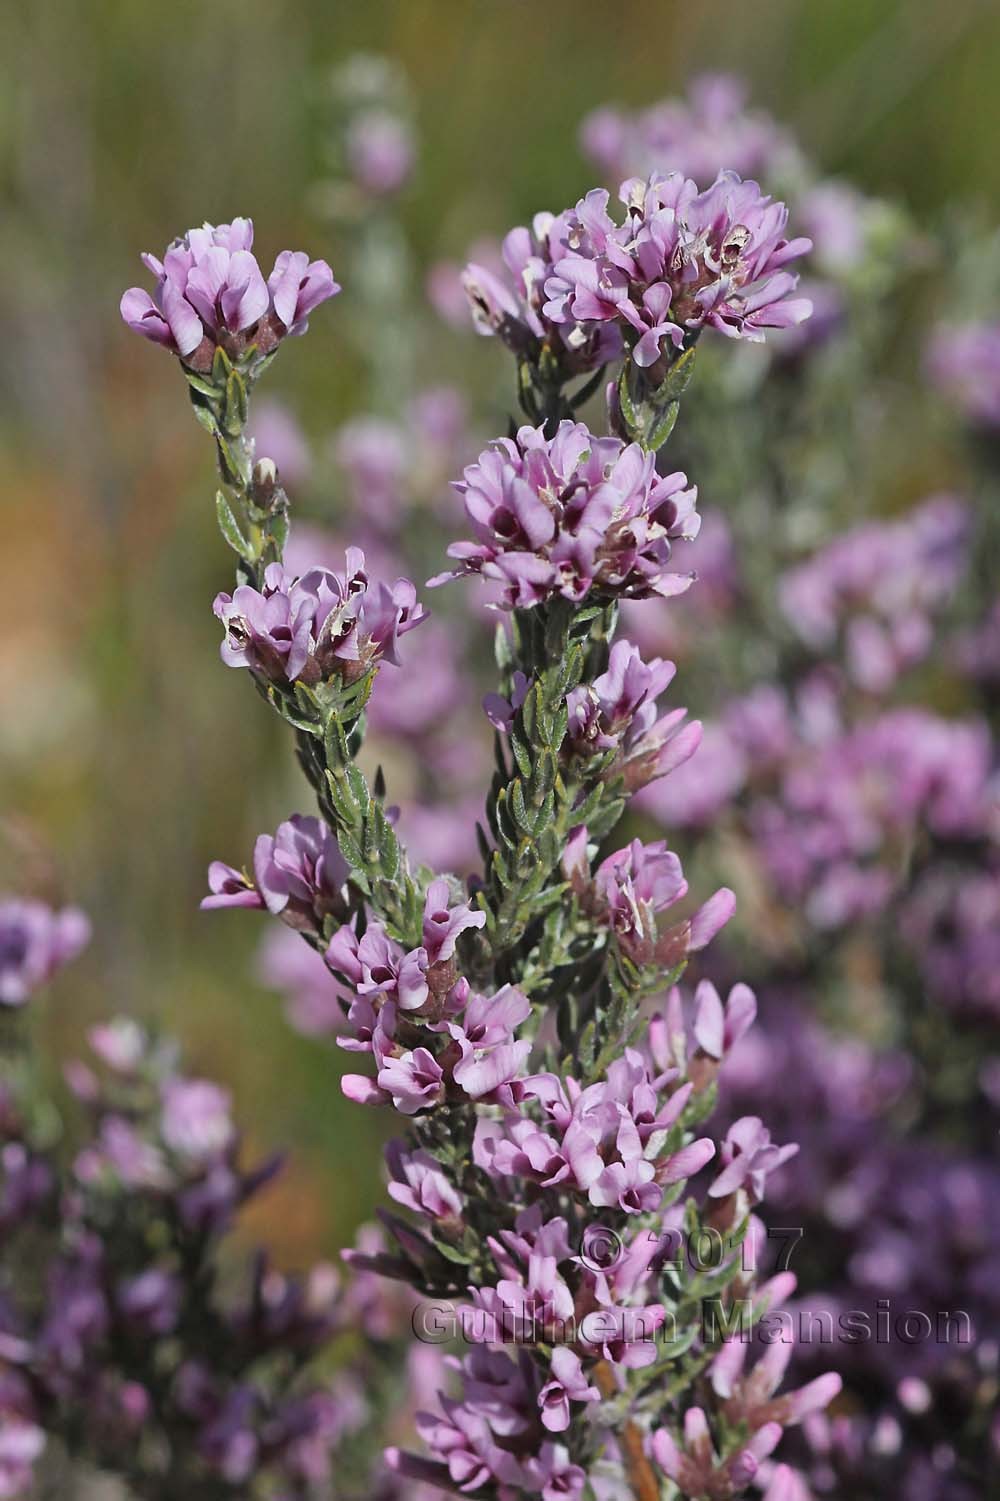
<point>210,290</point>
<point>572,514</point>
<point>681,260</point>
<point>316,626</point>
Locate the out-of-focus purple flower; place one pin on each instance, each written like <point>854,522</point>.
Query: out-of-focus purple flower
<point>302,975</point>
<point>35,942</point>
<point>964,363</point>
<point>787,1485</point>
<point>277,435</point>
<point>680,261</point>
<point>571,514</point>
<point>836,218</point>
<point>881,582</point>
<point>317,626</point>
<point>700,135</point>
<point>380,151</point>
<point>702,785</point>
<point>150,1301</point>
<point>844,804</point>
<point>21,1444</point>
<point>372,452</point>
<point>196,1120</point>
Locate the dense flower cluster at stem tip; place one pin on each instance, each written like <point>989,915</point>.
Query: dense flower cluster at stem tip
<point>505,1017</point>
<point>679,260</point>
<point>210,290</point>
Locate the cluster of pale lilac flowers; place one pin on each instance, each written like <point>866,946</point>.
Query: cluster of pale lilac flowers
<point>681,260</point>
<point>572,515</point>
<point>882,584</point>
<point>711,127</point>
<point>210,291</point>
<point>963,362</point>
<point>317,626</point>
<point>711,130</point>
<point>518,313</point>
<point>114,1338</point>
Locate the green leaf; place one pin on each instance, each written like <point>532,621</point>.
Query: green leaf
<point>221,366</point>
<point>229,527</point>
<point>200,384</point>
<point>661,426</point>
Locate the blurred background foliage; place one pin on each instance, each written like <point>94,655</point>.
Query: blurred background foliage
<point>128,758</point>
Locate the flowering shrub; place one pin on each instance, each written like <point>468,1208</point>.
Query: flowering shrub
<point>591,1156</point>
<point>505,1021</point>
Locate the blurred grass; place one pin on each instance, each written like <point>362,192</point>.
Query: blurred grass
<point>134,757</point>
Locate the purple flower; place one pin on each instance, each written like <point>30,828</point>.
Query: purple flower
<point>419,1184</point>
<point>567,1383</point>
<point>35,942</point>
<point>300,872</point>
<point>695,1467</point>
<point>527,1306</point>
<point>571,514</point>
<point>21,1444</point>
<point>464,1444</point>
<point>700,135</point>
<point>681,260</point>
<point>629,1185</point>
<point>317,626</point>
<point>490,1057</point>
<point>297,286</point>
<point>196,1121</point>
<point>380,151</point>
<point>209,287</point>
<point>718,1030</point>
<point>518,314</point>
<point>443,924</point>
<point>748,1155</point>
<point>618,711</point>
<point>554,1475</point>
<point>749,1398</point>
<point>229,887</point>
<point>633,885</point>
<point>413,1080</point>
<point>964,363</point>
